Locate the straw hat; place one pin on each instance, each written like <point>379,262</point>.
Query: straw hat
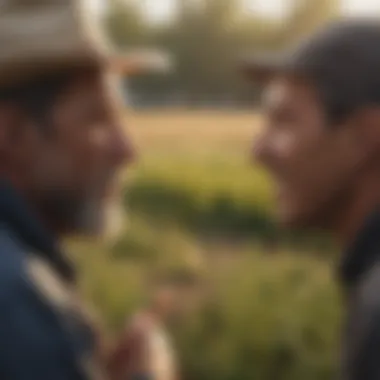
<point>44,36</point>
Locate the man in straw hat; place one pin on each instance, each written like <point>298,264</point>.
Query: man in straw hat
<point>321,142</point>
<point>62,145</point>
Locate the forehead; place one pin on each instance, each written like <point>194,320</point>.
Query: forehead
<point>285,91</point>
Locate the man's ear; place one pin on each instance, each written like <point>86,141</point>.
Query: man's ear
<point>366,131</point>
<point>16,138</point>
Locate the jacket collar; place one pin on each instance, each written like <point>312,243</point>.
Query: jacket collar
<point>363,252</point>
<point>16,215</point>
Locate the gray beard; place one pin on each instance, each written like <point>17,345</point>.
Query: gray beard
<point>88,217</point>
<point>95,219</point>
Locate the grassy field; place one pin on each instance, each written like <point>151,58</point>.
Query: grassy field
<point>211,132</point>
<point>196,201</point>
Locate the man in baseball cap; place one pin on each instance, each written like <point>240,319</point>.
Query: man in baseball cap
<point>321,143</point>
<point>62,146</point>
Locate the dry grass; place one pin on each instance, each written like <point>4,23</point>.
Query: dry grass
<point>172,132</point>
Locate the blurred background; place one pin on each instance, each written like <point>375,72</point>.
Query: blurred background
<point>197,204</point>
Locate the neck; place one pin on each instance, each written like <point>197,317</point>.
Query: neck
<point>365,199</point>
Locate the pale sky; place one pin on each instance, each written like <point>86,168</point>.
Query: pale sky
<point>160,10</point>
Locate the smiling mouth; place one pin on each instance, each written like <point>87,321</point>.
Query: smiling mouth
<point>279,196</point>
<point>281,191</point>
<point>110,190</point>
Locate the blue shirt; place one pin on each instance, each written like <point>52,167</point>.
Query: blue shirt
<point>43,332</point>
<point>360,279</point>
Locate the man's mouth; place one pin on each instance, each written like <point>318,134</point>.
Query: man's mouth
<point>281,191</point>
<point>111,187</point>
<point>109,191</point>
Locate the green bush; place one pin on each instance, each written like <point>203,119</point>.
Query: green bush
<point>204,196</point>
<point>212,196</point>
<point>268,320</point>
<point>264,317</point>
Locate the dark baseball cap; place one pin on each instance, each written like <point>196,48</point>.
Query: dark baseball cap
<point>342,60</point>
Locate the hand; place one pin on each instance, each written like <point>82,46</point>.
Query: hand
<point>130,355</point>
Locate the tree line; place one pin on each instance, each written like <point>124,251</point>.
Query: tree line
<point>206,38</point>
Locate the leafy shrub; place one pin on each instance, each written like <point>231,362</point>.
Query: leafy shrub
<point>212,196</point>
<point>265,317</point>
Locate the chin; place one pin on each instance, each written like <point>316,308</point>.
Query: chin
<point>102,221</point>
<point>292,217</point>
<point>287,221</point>
<point>114,222</point>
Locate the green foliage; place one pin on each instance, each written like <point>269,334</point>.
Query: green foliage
<point>269,319</point>
<point>307,15</point>
<point>125,23</point>
<point>206,39</point>
<point>262,318</point>
<point>212,196</point>
<point>224,196</point>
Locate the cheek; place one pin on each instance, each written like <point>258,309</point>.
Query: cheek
<point>302,152</point>
<point>74,163</point>
<point>52,166</point>
<point>89,153</point>
<point>320,173</point>
<point>278,152</point>
<point>284,144</point>
<point>273,148</point>
<point>301,167</point>
<point>86,143</point>
<point>94,149</point>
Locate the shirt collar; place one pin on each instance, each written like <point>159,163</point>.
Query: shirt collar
<point>363,253</point>
<point>16,215</point>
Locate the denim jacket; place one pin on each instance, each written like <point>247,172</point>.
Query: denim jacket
<point>44,334</point>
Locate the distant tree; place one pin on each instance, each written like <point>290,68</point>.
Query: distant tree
<point>126,24</point>
<point>305,17</point>
<point>206,38</point>
<point>203,41</point>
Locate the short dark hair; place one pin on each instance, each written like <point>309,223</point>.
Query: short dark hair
<point>35,97</point>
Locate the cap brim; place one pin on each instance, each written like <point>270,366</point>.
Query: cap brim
<point>141,62</point>
<point>125,64</point>
<point>262,67</point>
